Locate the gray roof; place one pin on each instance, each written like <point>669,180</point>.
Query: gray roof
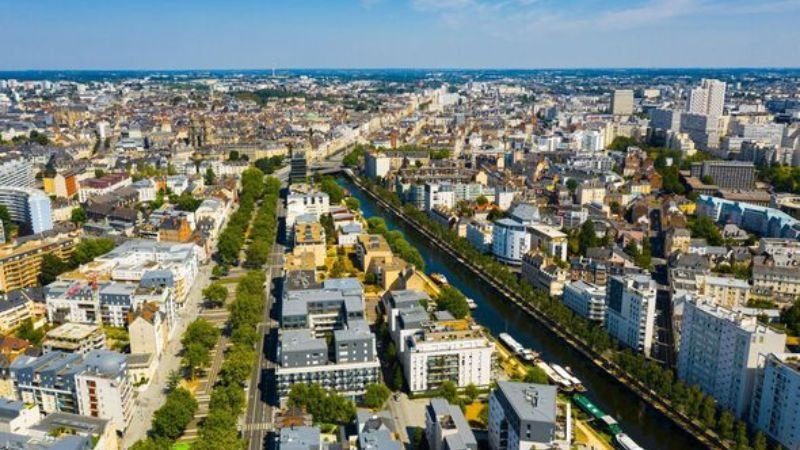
<point>301,340</point>
<point>531,402</point>
<point>407,297</point>
<point>299,438</point>
<point>464,438</point>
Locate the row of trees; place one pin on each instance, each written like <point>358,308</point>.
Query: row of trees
<point>397,242</point>
<point>325,406</point>
<point>650,374</point>
<point>265,225</point>
<point>169,421</point>
<point>218,429</point>
<point>232,238</point>
<point>86,251</point>
<point>198,340</point>
<point>452,300</point>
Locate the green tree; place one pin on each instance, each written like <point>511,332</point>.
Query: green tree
<point>171,419</point>
<point>238,365</point>
<point>572,185</point>
<point>89,249</point>
<point>376,395</point>
<point>27,331</point>
<point>481,200</point>
<point>173,380</point>
<point>52,267</point>
<point>471,392</point>
<point>397,378</point>
<point>535,374</point>
<point>329,186</point>
<point>452,300</point>
<point>210,177</point>
<point>726,421</point>
<point>352,203</point>
<point>708,412</point>
<point>705,228</point>
<point>448,391</point>
<point>196,357</point>
<point>760,442</point>
<point>215,294</point>
<point>9,227</point>
<point>201,332</point>
<point>741,439</point>
<point>78,216</point>
<point>587,237</point>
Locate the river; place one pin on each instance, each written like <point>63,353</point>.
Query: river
<point>645,425</point>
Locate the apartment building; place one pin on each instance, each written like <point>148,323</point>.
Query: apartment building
<point>30,208</point>
<point>309,237</point>
<point>586,300</point>
<point>776,401</point>
<point>776,277</point>
<point>94,385</point>
<point>305,202</point>
<point>21,263</point>
<point>14,309</point>
<point>544,273</point>
<point>74,338</point>
<point>441,352</point>
<point>549,239</point>
<point>631,311</point>
<point>510,241</point>
<point>446,428</point>
<point>324,338</point>
<point>16,170</point>
<point>525,415</point>
<point>726,291</point>
<point>727,174</point>
<point>106,184</point>
<point>479,234</point>
<point>719,351</point>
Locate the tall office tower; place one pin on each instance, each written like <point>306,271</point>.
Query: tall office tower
<point>719,351</point>
<point>631,311</point>
<point>776,400</point>
<point>708,98</point>
<point>622,102</point>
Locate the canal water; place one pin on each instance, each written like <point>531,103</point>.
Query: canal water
<point>644,424</point>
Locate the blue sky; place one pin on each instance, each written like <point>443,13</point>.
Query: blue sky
<point>202,34</point>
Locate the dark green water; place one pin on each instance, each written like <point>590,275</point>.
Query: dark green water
<point>645,425</point>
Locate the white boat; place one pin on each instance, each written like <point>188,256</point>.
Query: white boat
<point>471,303</point>
<point>564,373</point>
<point>625,442</point>
<point>553,375</point>
<point>439,279</point>
<point>526,354</point>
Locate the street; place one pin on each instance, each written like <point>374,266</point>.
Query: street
<point>148,401</point>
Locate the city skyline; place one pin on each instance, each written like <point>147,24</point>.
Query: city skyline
<point>435,34</point>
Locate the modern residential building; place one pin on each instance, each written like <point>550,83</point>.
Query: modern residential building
<point>766,222</point>
<point>440,352</point>
<point>726,291</point>
<point>479,234</point>
<point>324,338</point>
<point>21,263</point>
<point>446,428</point>
<point>665,119</point>
<point>586,300</point>
<point>727,174</point>
<point>708,98</point>
<point>776,400</point>
<point>305,202</point>
<point>74,338</point>
<point>719,351</point>
<point>15,308</point>
<point>510,241</point>
<point>94,385</point>
<point>631,311</point>
<point>622,102</point>
<point>30,208</point>
<point>776,277</point>
<point>16,171</point>
<point>549,239</point>
<point>523,416</point>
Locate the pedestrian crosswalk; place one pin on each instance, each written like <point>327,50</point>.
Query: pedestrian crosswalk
<point>263,426</point>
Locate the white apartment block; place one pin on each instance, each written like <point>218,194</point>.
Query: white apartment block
<point>708,98</point>
<point>479,234</point>
<point>622,102</point>
<point>298,204</point>
<point>510,241</point>
<point>719,351</point>
<point>586,300</point>
<point>776,402</point>
<point>631,311</point>
<point>436,355</point>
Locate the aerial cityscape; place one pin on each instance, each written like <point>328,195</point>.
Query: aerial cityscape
<point>209,240</point>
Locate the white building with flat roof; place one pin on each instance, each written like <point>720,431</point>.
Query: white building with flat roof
<point>776,401</point>
<point>719,351</point>
<point>631,311</point>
